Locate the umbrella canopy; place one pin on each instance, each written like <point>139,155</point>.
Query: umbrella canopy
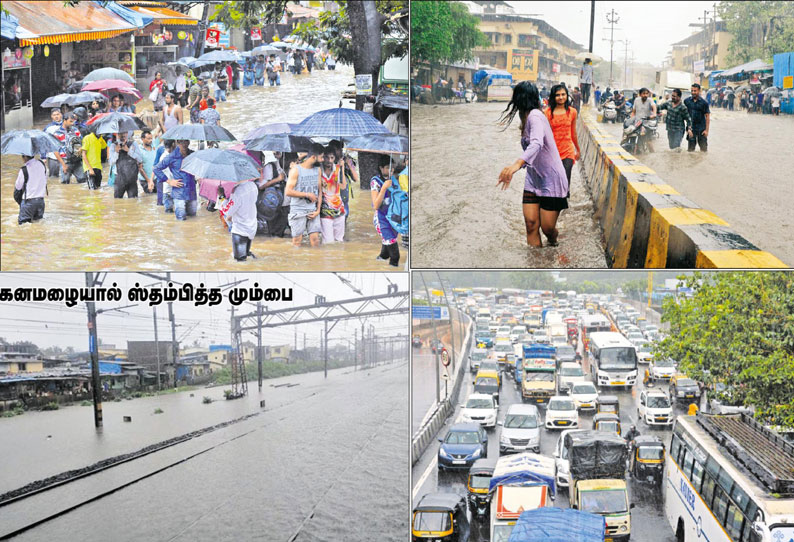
<point>279,142</point>
<point>186,60</point>
<point>265,50</point>
<point>168,72</point>
<point>742,87</point>
<point>219,56</point>
<point>201,132</point>
<point>338,123</point>
<point>201,63</point>
<point>772,91</point>
<point>84,97</point>
<point>380,143</point>
<point>274,128</point>
<point>28,142</point>
<point>56,101</point>
<point>115,122</point>
<point>129,96</point>
<point>592,56</point>
<point>224,165</point>
<point>280,45</point>
<point>109,73</point>
<point>107,84</point>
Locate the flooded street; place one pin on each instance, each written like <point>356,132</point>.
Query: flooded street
<point>85,229</point>
<point>461,219</point>
<point>324,461</point>
<point>745,178</point>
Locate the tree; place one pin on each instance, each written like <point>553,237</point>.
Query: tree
<point>442,33</point>
<point>758,29</point>
<point>738,328</point>
<point>247,15</point>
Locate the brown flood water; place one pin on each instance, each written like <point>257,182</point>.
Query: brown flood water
<point>83,229</point>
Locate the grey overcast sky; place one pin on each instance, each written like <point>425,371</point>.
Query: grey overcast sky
<point>650,27</point>
<point>53,324</point>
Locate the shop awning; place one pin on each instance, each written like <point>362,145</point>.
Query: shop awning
<point>133,17</point>
<point>165,16</point>
<point>756,65</point>
<point>8,26</point>
<point>53,23</point>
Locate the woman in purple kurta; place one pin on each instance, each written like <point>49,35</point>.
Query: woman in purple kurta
<point>546,184</point>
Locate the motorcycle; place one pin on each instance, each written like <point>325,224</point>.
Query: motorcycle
<point>638,133</point>
<point>609,112</point>
<point>624,112</point>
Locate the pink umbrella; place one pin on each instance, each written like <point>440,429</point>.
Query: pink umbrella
<point>129,95</point>
<point>108,84</point>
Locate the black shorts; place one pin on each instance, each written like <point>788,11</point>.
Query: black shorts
<point>547,204</point>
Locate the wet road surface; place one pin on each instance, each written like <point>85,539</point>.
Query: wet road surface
<point>745,178</point>
<point>647,519</point>
<point>325,461</point>
<point>84,229</point>
<point>461,219</point>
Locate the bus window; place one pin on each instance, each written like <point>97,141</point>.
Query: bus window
<point>725,481</point>
<point>720,505</point>
<point>708,489</point>
<point>697,475</point>
<point>675,445</point>
<point>733,523</point>
<point>740,498</point>
<point>686,467</point>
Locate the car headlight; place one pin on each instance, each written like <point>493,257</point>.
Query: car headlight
<point>504,440</point>
<point>623,529</point>
<point>563,468</point>
<point>443,453</point>
<point>476,453</point>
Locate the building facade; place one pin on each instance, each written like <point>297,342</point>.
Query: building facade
<point>706,50</point>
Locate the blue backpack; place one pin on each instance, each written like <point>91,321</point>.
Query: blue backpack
<point>398,210</point>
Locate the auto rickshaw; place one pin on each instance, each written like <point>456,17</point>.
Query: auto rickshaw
<point>608,403</point>
<point>478,483</point>
<point>607,421</point>
<point>647,459</point>
<point>440,516</point>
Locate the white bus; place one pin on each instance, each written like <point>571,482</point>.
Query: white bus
<point>613,359</point>
<point>711,493</point>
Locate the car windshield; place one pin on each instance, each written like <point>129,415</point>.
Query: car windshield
<point>486,382</point>
<point>433,521</point>
<point>504,347</point>
<point>610,426</point>
<point>650,452</point>
<point>539,377</point>
<point>685,383</point>
<point>479,402</point>
<point>477,356</point>
<point>521,421</point>
<point>571,371</point>
<point>645,348</point>
<point>479,481</point>
<point>585,388</point>
<point>620,358</point>
<point>604,501</point>
<point>665,363</point>
<point>463,437</point>
<point>561,404</point>
<point>565,351</point>
<point>658,401</point>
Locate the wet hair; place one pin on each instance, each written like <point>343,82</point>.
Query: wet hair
<point>677,92</point>
<point>158,73</point>
<point>169,144</point>
<point>316,149</point>
<point>525,98</point>
<point>335,144</point>
<point>586,60</point>
<point>56,110</point>
<point>144,132</point>
<point>210,102</point>
<point>171,95</point>
<point>70,116</point>
<point>553,101</point>
<point>696,85</point>
<point>384,160</point>
<point>643,89</point>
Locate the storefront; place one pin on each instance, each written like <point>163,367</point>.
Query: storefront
<point>17,97</point>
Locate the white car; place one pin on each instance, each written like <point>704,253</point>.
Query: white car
<point>651,330</point>
<point>561,458</point>
<point>655,408</point>
<point>561,413</point>
<point>662,369</point>
<point>644,352</point>
<point>584,395</point>
<point>569,372</point>
<point>479,408</point>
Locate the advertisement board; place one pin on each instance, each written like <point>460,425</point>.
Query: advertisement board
<point>523,64</point>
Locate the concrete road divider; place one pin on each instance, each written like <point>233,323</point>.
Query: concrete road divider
<point>646,222</point>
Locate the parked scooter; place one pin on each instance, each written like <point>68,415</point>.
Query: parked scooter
<point>638,133</point>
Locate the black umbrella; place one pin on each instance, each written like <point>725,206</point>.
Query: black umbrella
<point>772,91</point>
<point>108,73</point>
<point>224,165</point>
<point>28,142</point>
<point>168,73</point>
<point>279,142</point>
<point>115,122</point>
<point>201,132</point>
<point>56,101</point>
<point>85,97</point>
<point>273,128</point>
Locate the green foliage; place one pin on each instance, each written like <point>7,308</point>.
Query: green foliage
<point>245,15</point>
<point>16,411</point>
<point>443,32</point>
<point>416,301</point>
<point>274,369</point>
<point>738,328</point>
<point>206,400</point>
<point>759,29</point>
<point>52,405</point>
<point>334,29</point>
<point>158,410</point>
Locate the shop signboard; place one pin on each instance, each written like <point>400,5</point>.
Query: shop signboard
<point>213,35</point>
<point>256,34</point>
<point>15,59</point>
<point>523,64</point>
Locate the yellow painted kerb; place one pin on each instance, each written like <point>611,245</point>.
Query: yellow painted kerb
<point>741,259</point>
<point>662,219</point>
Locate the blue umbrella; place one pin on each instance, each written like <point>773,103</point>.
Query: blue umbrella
<point>201,132</point>
<point>219,56</point>
<point>379,143</point>
<point>338,123</point>
<point>279,142</point>
<point>186,60</point>
<point>108,73</point>
<point>28,142</point>
<point>274,128</point>
<point>224,165</point>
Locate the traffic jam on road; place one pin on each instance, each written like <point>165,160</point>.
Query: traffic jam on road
<point>565,399</point>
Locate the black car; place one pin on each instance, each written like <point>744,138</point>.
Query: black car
<point>436,345</point>
<point>417,341</point>
<point>684,391</point>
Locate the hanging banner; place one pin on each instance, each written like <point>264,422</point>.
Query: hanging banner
<point>523,64</point>
<point>364,84</point>
<point>555,68</point>
<point>213,35</point>
<point>256,34</point>
<point>699,66</point>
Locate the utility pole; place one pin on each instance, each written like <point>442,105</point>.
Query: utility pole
<point>363,345</point>
<point>451,319</point>
<point>325,350</point>
<point>355,349</point>
<point>259,342</point>
<point>174,347</point>
<point>592,23</point>
<point>156,344</point>
<point>612,19</point>
<point>96,385</point>
<point>435,336</point>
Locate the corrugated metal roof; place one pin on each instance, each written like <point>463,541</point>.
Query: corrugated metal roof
<point>164,15</point>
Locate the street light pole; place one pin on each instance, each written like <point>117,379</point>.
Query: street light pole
<point>93,346</point>
<point>612,19</point>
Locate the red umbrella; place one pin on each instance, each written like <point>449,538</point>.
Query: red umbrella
<point>108,84</point>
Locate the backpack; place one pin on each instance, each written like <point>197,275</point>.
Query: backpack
<point>21,193</point>
<point>398,210</point>
<point>269,201</point>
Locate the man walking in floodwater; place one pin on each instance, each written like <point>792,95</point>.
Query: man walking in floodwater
<point>677,120</point>
<point>303,189</point>
<point>700,114</point>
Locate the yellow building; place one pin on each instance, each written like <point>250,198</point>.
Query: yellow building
<point>18,362</point>
<point>709,46</point>
<point>530,49</point>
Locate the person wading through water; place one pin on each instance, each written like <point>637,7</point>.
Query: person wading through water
<point>546,184</point>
